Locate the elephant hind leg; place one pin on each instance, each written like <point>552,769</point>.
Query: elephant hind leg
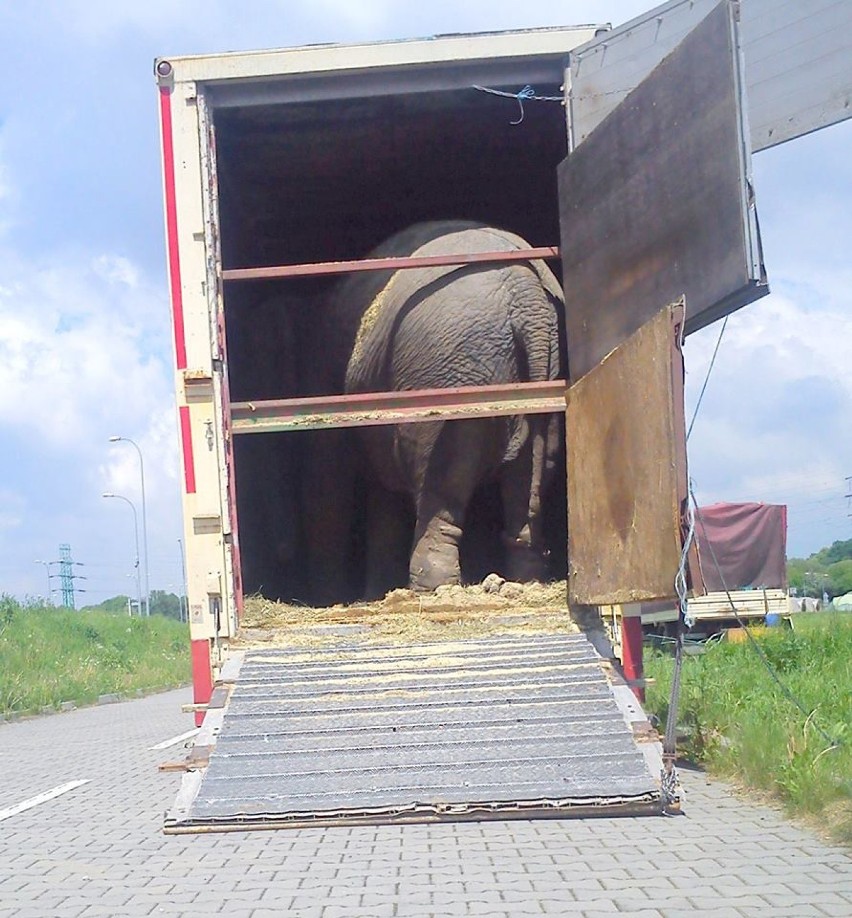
<point>459,460</point>
<point>435,558</point>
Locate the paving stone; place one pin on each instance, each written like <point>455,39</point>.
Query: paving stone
<point>817,898</point>
<point>340,911</point>
<point>800,910</point>
<point>477,907</point>
<point>99,850</point>
<point>598,907</point>
<point>110,698</point>
<point>725,912</point>
<point>27,912</point>
<point>831,886</point>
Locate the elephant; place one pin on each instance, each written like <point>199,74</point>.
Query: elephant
<point>431,328</point>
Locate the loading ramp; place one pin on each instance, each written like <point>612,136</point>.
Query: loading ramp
<point>530,725</point>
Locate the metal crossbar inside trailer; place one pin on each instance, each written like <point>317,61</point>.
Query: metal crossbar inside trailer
<point>259,155</point>
<point>511,725</point>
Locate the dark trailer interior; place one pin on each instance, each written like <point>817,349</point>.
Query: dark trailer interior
<point>323,168</point>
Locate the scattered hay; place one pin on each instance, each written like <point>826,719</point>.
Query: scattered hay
<point>451,613</point>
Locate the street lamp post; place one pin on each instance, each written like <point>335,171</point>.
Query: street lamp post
<point>46,564</point>
<point>116,439</point>
<point>136,534</point>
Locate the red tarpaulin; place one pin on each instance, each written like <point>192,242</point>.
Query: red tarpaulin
<point>749,545</point>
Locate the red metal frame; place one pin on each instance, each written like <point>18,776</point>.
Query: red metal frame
<point>202,675</point>
<point>631,654</point>
<point>171,227</point>
<point>186,445</point>
<point>227,427</point>
<point>420,405</point>
<point>389,264</point>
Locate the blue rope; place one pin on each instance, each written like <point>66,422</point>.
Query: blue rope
<point>527,94</point>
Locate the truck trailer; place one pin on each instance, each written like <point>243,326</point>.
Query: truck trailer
<point>282,170</point>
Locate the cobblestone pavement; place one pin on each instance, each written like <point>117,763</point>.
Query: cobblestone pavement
<point>98,850</point>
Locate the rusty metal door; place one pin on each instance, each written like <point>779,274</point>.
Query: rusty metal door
<point>656,207</point>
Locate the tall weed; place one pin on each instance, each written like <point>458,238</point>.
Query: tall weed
<point>49,655</point>
<point>735,719</point>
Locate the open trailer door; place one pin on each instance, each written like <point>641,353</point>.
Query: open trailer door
<point>659,238</point>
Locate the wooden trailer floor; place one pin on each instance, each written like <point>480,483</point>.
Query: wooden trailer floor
<point>518,723</point>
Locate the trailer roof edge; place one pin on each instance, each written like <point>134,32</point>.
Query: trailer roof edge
<point>324,58</point>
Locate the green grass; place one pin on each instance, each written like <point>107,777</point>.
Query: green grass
<point>49,655</point>
<point>739,724</point>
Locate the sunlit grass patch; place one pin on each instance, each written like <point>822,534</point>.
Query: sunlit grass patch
<point>738,722</point>
<point>49,655</point>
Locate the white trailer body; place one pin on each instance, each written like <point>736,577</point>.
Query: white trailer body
<point>192,91</point>
<point>205,101</point>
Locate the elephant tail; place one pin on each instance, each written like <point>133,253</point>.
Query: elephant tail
<point>536,322</point>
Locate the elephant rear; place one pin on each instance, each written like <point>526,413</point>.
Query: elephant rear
<point>447,327</point>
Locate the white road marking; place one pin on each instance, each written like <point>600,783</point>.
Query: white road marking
<point>41,798</point>
<point>176,739</point>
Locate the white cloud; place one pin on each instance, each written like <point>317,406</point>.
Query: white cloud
<point>797,337</point>
<point>75,346</point>
<point>113,268</point>
<point>84,354</point>
<point>119,472</point>
<point>776,421</point>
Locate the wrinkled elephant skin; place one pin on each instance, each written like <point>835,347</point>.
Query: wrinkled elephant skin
<point>444,327</point>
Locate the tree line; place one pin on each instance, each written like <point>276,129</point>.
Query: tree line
<point>828,570</point>
<point>162,603</point>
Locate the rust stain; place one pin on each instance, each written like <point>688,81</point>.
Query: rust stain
<point>621,499</point>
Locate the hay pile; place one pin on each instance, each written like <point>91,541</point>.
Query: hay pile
<point>451,613</point>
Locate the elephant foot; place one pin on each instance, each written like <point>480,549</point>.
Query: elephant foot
<point>435,559</point>
<point>525,563</point>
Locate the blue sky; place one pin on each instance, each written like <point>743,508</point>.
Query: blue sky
<point>85,349</point>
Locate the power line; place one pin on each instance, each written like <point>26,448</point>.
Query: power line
<point>816,510</point>
<point>809,501</point>
<point>785,490</point>
<point>707,377</point>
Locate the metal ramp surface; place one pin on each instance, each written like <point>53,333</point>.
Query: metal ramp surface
<point>494,727</point>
